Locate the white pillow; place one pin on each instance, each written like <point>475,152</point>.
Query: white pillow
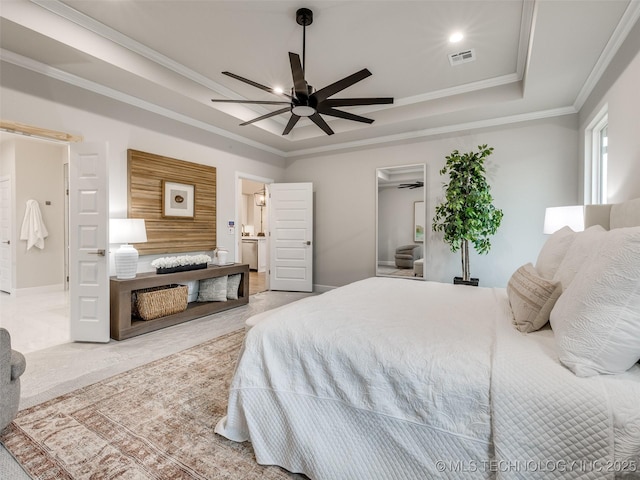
<point>596,321</point>
<point>213,289</point>
<point>233,284</point>
<point>553,251</point>
<point>582,250</point>
<point>531,298</point>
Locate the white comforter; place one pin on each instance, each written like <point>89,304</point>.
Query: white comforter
<point>397,379</point>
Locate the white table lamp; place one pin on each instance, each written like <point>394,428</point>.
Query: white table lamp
<point>126,231</point>
<point>557,217</point>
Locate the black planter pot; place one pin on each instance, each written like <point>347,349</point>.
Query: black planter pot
<point>472,282</point>
<point>181,268</point>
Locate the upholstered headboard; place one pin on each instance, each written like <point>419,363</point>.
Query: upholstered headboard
<point>615,215</point>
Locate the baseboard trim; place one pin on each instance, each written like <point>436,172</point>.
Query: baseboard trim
<point>322,288</point>
<point>20,292</point>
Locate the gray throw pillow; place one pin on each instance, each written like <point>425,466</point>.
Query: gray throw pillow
<point>233,283</point>
<point>213,290</point>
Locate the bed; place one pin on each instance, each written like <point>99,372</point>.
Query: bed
<point>389,378</point>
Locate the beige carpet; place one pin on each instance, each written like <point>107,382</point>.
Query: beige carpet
<point>155,421</point>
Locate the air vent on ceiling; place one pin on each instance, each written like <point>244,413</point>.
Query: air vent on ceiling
<point>462,57</point>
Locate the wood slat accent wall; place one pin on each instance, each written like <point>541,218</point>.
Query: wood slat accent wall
<point>146,172</point>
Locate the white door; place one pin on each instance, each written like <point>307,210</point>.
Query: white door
<point>6,257</point>
<point>291,236</point>
<point>88,243</point>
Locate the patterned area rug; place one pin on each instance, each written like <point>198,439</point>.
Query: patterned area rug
<point>155,421</point>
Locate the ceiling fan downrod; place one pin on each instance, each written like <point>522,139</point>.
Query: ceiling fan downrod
<point>304,17</point>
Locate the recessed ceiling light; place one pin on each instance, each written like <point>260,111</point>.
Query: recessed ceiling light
<point>278,90</point>
<point>456,37</point>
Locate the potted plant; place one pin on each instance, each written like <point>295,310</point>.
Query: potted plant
<point>467,213</point>
<point>182,263</point>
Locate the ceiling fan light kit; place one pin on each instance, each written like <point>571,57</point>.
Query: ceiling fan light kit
<point>304,101</point>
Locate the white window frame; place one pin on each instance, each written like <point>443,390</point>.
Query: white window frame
<point>595,167</point>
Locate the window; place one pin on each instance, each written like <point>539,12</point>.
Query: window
<point>596,144</point>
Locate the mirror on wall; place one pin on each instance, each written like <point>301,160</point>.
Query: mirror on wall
<point>400,221</point>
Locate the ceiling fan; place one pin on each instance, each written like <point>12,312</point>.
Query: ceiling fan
<point>303,100</point>
<point>411,186</point>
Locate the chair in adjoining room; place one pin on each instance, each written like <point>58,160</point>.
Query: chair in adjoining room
<point>12,365</point>
<point>407,254</point>
<point>418,268</point>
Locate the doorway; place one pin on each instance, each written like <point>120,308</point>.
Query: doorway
<point>34,306</point>
<point>252,238</point>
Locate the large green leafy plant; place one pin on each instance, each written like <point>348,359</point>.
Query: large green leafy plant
<point>467,213</point>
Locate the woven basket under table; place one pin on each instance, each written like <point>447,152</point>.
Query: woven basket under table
<point>155,302</point>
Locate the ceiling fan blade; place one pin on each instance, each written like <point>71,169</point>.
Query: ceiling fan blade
<point>257,102</point>
<point>292,123</point>
<point>299,83</point>
<point>270,114</point>
<point>255,84</point>
<point>340,85</point>
<point>319,121</point>
<point>411,186</point>
<point>350,102</point>
<point>338,113</point>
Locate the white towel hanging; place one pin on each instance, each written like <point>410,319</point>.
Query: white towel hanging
<point>34,230</point>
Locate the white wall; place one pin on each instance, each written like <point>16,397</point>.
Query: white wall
<point>36,100</point>
<point>618,89</point>
<point>534,166</point>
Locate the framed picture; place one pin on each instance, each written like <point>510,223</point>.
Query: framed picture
<point>418,221</point>
<point>178,200</point>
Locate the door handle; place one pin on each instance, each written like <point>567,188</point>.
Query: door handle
<point>99,252</point>
<point>8,242</point>
<point>308,242</point>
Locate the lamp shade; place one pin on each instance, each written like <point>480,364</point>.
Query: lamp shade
<point>127,230</point>
<point>557,217</point>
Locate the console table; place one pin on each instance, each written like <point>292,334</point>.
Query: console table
<point>124,326</point>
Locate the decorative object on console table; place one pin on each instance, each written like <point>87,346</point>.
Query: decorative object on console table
<point>222,255</point>
<point>181,268</point>
<point>467,213</point>
<point>126,231</point>
<point>182,263</point>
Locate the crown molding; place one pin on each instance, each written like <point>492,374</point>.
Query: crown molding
<point>57,74</point>
<point>628,20</point>
<point>91,86</point>
<point>429,132</point>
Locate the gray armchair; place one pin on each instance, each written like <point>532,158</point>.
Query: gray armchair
<point>407,254</point>
<point>12,365</point>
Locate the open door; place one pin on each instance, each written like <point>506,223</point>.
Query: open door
<point>291,236</point>
<point>88,242</point>
<point>6,233</point>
